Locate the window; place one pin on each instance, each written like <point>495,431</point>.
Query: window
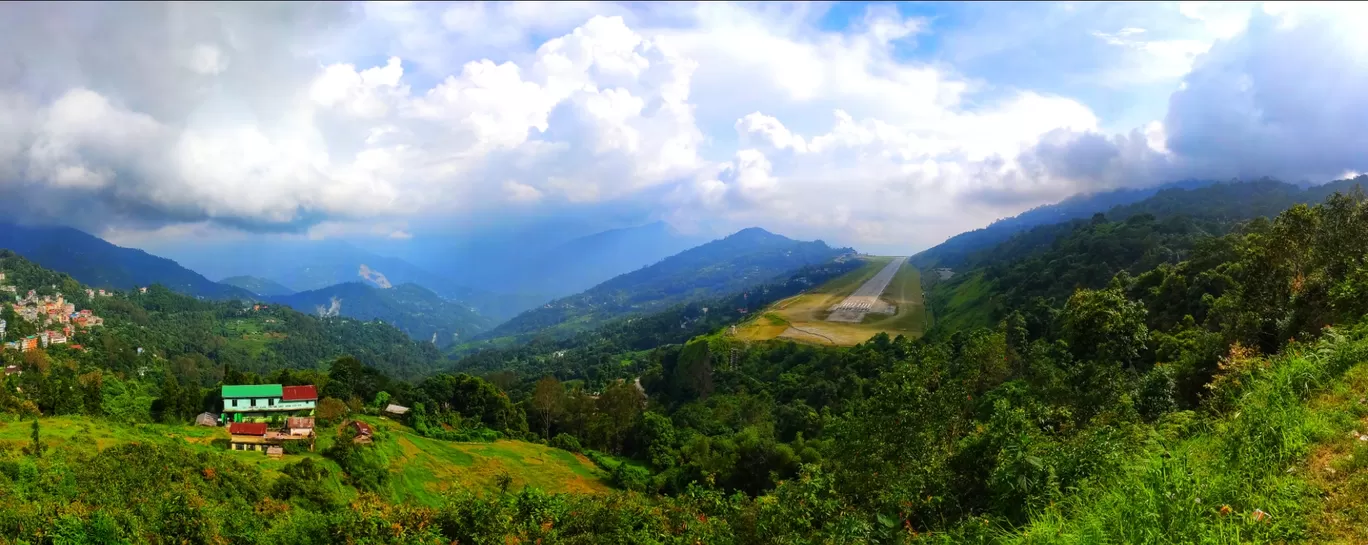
<point>235,403</point>
<point>271,401</point>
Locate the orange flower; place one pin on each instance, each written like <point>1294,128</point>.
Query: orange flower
<point>1225,510</point>
<point>1260,515</point>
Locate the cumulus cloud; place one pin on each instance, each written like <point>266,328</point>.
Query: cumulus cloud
<point>333,119</point>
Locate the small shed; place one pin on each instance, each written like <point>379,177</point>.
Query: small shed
<point>396,410</point>
<point>207,419</point>
<point>299,425</point>
<point>275,452</point>
<point>363,431</point>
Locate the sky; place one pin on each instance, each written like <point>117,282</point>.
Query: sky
<point>887,127</point>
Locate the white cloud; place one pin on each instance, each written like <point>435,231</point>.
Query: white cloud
<point>328,120</point>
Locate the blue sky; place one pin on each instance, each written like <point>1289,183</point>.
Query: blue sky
<point>884,126</point>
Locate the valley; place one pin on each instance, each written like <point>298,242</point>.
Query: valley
<point>887,282</point>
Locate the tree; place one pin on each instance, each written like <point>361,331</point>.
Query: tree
<point>1103,326</point>
<point>620,404</point>
<point>36,448</point>
<point>548,399</point>
<point>331,410</point>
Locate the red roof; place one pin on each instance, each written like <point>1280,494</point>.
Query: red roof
<point>362,428</point>
<point>247,428</point>
<point>299,393</point>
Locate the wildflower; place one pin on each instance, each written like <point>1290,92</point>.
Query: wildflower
<point>1260,515</point>
<point>1225,510</point>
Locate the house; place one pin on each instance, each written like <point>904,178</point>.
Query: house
<point>396,410</point>
<point>299,425</point>
<point>206,419</point>
<point>247,435</point>
<point>13,369</point>
<point>273,451</point>
<point>267,402</point>
<point>142,290</point>
<point>28,343</point>
<point>363,432</point>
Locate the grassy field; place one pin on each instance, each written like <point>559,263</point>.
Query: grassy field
<point>421,469</point>
<point>803,316</point>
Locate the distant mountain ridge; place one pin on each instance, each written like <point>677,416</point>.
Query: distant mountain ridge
<point>307,265</point>
<point>96,262</point>
<point>954,250</point>
<point>261,286</point>
<point>728,265</point>
<point>413,309</point>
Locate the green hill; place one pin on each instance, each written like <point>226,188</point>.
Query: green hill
<point>100,264</point>
<point>744,259</point>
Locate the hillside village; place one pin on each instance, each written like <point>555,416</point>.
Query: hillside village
<point>57,318</point>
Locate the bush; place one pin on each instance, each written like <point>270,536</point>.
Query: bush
<point>565,441</point>
<point>629,477</point>
<point>295,447</point>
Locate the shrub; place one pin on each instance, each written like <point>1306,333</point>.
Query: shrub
<point>629,477</point>
<point>565,441</point>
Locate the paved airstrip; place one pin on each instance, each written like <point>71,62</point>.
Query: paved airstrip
<point>866,299</point>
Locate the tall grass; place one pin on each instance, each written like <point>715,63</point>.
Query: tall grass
<point>1239,481</point>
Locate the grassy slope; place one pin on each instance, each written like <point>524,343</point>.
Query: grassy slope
<point>802,317</point>
<point>962,303</point>
<point>1287,448</point>
<point>420,468</point>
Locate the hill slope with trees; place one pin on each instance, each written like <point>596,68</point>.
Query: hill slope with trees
<point>744,259</point>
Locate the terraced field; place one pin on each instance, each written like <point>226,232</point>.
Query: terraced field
<point>803,317</point>
<point>421,469</point>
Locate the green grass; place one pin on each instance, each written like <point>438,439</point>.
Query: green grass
<point>421,469</point>
<point>962,304</point>
<point>1284,448</point>
<point>803,316</point>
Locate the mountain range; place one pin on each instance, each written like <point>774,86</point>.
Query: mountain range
<point>95,262</point>
<point>732,264</point>
<point>411,308</point>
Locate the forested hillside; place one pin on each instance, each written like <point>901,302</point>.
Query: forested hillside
<point>97,263</point>
<point>417,311</point>
<point>1207,391</point>
<point>1050,261</point>
<point>744,259</point>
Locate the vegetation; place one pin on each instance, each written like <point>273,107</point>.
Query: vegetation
<point>1156,379</point>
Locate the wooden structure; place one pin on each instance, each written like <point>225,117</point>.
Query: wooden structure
<point>363,432</point>
<point>299,425</point>
<point>275,452</point>
<point>207,419</point>
<point>396,410</point>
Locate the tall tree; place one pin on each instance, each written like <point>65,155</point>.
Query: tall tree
<point>548,399</point>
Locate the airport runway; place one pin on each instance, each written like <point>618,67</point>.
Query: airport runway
<point>866,298</point>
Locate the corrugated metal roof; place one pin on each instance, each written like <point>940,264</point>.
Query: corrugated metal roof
<point>247,428</point>
<point>251,390</point>
<point>362,427</point>
<point>299,422</point>
<point>300,393</point>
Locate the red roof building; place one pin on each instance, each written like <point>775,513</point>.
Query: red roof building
<point>247,428</point>
<point>299,393</point>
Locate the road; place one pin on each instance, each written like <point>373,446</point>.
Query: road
<point>866,297</point>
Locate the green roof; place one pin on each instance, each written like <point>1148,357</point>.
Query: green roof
<point>252,390</point>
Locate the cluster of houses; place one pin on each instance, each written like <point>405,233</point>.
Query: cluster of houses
<point>49,311</point>
<point>265,416</point>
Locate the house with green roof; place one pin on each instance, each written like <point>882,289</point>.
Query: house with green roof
<point>267,402</point>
